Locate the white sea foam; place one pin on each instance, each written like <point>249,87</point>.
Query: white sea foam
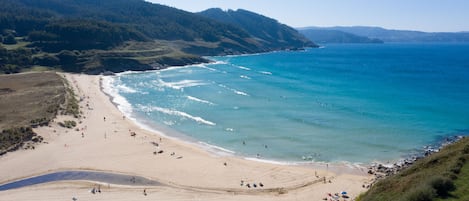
<point>206,67</point>
<point>230,129</point>
<point>265,72</point>
<point>216,149</point>
<point>181,84</point>
<point>200,100</point>
<point>125,89</point>
<point>245,77</point>
<point>242,67</point>
<point>234,90</point>
<point>240,93</point>
<point>109,87</point>
<point>218,62</point>
<point>270,161</point>
<point>176,113</point>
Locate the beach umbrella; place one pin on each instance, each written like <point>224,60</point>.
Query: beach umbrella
<point>343,192</point>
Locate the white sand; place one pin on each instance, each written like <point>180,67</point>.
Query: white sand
<point>108,146</point>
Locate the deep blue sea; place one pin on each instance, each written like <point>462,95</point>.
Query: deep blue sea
<point>355,103</point>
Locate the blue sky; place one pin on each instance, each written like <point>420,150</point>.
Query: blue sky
<point>422,15</point>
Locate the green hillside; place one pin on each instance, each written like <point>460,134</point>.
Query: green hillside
<point>440,176</point>
<point>95,36</point>
<point>269,32</point>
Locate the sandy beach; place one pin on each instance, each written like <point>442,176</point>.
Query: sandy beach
<point>107,141</point>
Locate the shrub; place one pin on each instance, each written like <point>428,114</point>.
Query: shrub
<point>466,149</point>
<point>47,60</point>
<point>41,36</point>
<point>442,185</point>
<point>68,124</point>
<point>423,192</point>
<point>11,139</point>
<point>9,40</point>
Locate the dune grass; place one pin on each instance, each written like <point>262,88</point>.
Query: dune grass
<point>29,100</point>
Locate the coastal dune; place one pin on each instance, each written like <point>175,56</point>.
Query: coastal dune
<point>107,141</point>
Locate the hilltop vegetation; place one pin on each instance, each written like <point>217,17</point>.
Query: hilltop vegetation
<point>92,36</point>
<point>269,32</point>
<point>440,176</point>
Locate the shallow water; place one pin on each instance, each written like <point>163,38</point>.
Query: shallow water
<point>354,103</point>
<point>81,175</point>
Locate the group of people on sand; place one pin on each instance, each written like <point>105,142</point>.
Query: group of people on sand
<point>253,185</point>
<point>96,190</point>
<point>336,196</point>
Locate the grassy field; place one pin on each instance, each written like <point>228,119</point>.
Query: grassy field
<point>28,100</point>
<point>441,176</point>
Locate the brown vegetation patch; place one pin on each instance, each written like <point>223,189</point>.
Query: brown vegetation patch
<point>27,100</point>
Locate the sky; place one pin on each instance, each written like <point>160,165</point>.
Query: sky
<point>421,15</point>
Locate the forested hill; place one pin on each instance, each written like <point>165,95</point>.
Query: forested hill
<point>116,35</point>
<point>270,32</point>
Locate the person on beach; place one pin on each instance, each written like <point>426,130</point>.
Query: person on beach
<point>145,192</point>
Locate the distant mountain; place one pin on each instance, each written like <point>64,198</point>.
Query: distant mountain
<point>267,31</point>
<point>388,35</point>
<point>335,36</point>
<point>117,35</point>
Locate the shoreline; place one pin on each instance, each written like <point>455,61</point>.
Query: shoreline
<point>218,150</point>
<point>336,167</point>
<point>379,169</point>
<point>161,130</point>
<point>108,145</point>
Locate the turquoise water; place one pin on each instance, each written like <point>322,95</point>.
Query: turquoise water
<point>354,103</point>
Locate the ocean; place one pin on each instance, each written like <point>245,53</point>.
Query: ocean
<point>340,103</point>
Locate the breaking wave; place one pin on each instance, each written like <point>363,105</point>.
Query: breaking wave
<point>176,113</point>
<point>199,100</point>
